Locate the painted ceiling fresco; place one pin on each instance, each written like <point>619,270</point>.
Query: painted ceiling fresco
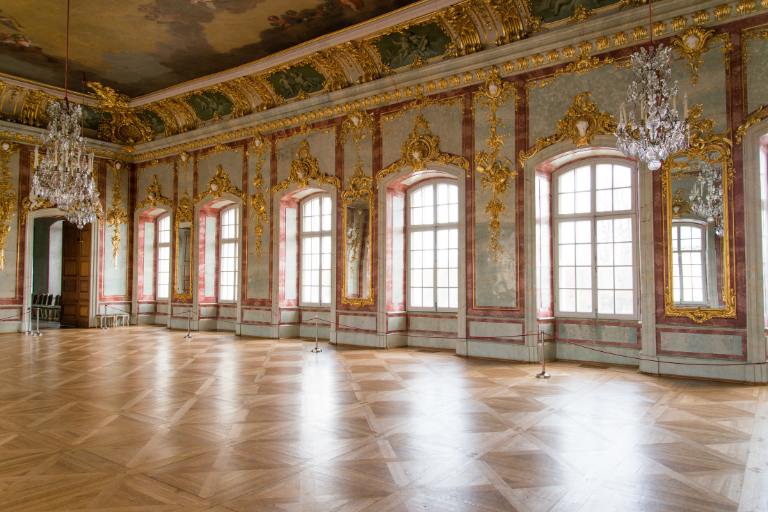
<point>141,46</point>
<point>555,10</point>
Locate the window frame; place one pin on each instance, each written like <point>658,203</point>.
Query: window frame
<point>703,228</point>
<point>593,216</point>
<point>301,237</point>
<point>158,245</point>
<point>221,241</point>
<point>408,228</point>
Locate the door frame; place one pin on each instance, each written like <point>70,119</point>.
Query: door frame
<point>28,262</point>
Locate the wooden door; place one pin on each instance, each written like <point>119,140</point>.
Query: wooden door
<point>75,275</point>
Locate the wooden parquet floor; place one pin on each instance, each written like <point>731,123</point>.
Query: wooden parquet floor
<point>137,419</point>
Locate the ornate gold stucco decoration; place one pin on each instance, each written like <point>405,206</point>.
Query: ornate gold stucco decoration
<point>8,202</point>
<point>704,146</point>
<point>419,149</point>
<point>360,186</point>
<point>495,173</point>
<point>120,123</point>
<point>358,126</point>
<point>692,44</point>
<point>154,196</point>
<point>582,122</point>
<point>756,117</point>
<point>116,215</point>
<point>305,169</point>
<point>581,13</point>
<point>184,209</point>
<point>218,185</point>
<point>258,201</point>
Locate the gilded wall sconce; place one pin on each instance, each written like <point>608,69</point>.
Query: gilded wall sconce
<point>7,196</point>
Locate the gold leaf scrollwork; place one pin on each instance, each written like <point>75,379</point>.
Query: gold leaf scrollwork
<point>581,123</point>
<point>154,196</point>
<point>184,209</point>
<point>704,146</point>
<point>305,169</point>
<point>116,215</point>
<point>258,201</point>
<point>495,173</point>
<point>420,148</point>
<point>7,196</point>
<point>218,185</point>
<point>121,124</point>
<point>756,117</point>
<point>360,187</point>
<point>692,44</point>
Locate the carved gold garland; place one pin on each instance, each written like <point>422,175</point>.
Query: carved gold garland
<point>420,148</point>
<point>116,216</point>
<point>692,44</point>
<point>581,123</point>
<point>154,196</point>
<point>495,173</point>
<point>706,146</point>
<point>258,201</point>
<point>8,202</point>
<point>218,185</point>
<point>305,169</point>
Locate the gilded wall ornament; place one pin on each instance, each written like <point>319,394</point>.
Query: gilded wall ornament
<point>8,200</point>
<point>184,209</point>
<point>581,123</point>
<point>419,149</point>
<point>120,124</point>
<point>305,169</point>
<point>495,173</point>
<point>258,201</point>
<point>116,215</point>
<point>154,196</point>
<point>692,44</point>
<point>218,185</point>
<point>581,13</point>
<point>358,126</point>
<point>360,186</point>
<point>756,117</point>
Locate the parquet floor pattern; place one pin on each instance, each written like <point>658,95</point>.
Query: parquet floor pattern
<point>137,419</point>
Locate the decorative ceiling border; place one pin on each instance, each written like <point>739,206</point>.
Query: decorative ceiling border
<point>466,22</point>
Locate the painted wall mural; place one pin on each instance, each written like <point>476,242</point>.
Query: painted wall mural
<point>140,46</point>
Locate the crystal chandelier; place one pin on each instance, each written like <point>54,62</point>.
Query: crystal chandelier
<point>653,129</point>
<point>64,176</point>
<point>707,196</point>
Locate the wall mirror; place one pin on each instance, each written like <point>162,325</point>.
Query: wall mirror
<point>182,265</point>
<point>358,222</point>
<point>697,189</point>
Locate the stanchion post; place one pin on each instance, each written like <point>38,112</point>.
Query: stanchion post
<point>188,336</point>
<point>28,317</point>
<point>317,348</point>
<point>37,332</point>
<point>543,373</point>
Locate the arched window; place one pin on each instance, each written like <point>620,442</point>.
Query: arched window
<point>433,246</point>
<point>229,254</point>
<point>689,252</point>
<point>163,256</point>
<point>315,250</point>
<point>595,224</point>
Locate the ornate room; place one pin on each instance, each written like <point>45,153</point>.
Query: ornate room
<point>390,255</point>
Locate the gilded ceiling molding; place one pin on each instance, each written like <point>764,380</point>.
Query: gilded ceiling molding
<point>364,57</point>
<point>756,117</point>
<point>258,200</point>
<point>512,22</point>
<point>335,77</point>
<point>581,13</point>
<point>581,123</point>
<point>116,215</point>
<point>8,201</point>
<point>495,173</point>
<point>305,169</point>
<point>119,123</point>
<point>465,35</point>
<point>419,149</point>
<point>154,196</point>
<point>218,185</point>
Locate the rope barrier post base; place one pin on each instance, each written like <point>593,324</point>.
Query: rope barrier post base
<point>28,315</point>
<point>316,349</point>
<point>543,373</point>
<point>36,333</point>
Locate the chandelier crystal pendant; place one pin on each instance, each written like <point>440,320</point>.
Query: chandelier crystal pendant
<point>707,196</point>
<point>64,176</point>
<point>652,129</point>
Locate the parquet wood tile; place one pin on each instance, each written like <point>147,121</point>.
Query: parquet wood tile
<point>138,419</point>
